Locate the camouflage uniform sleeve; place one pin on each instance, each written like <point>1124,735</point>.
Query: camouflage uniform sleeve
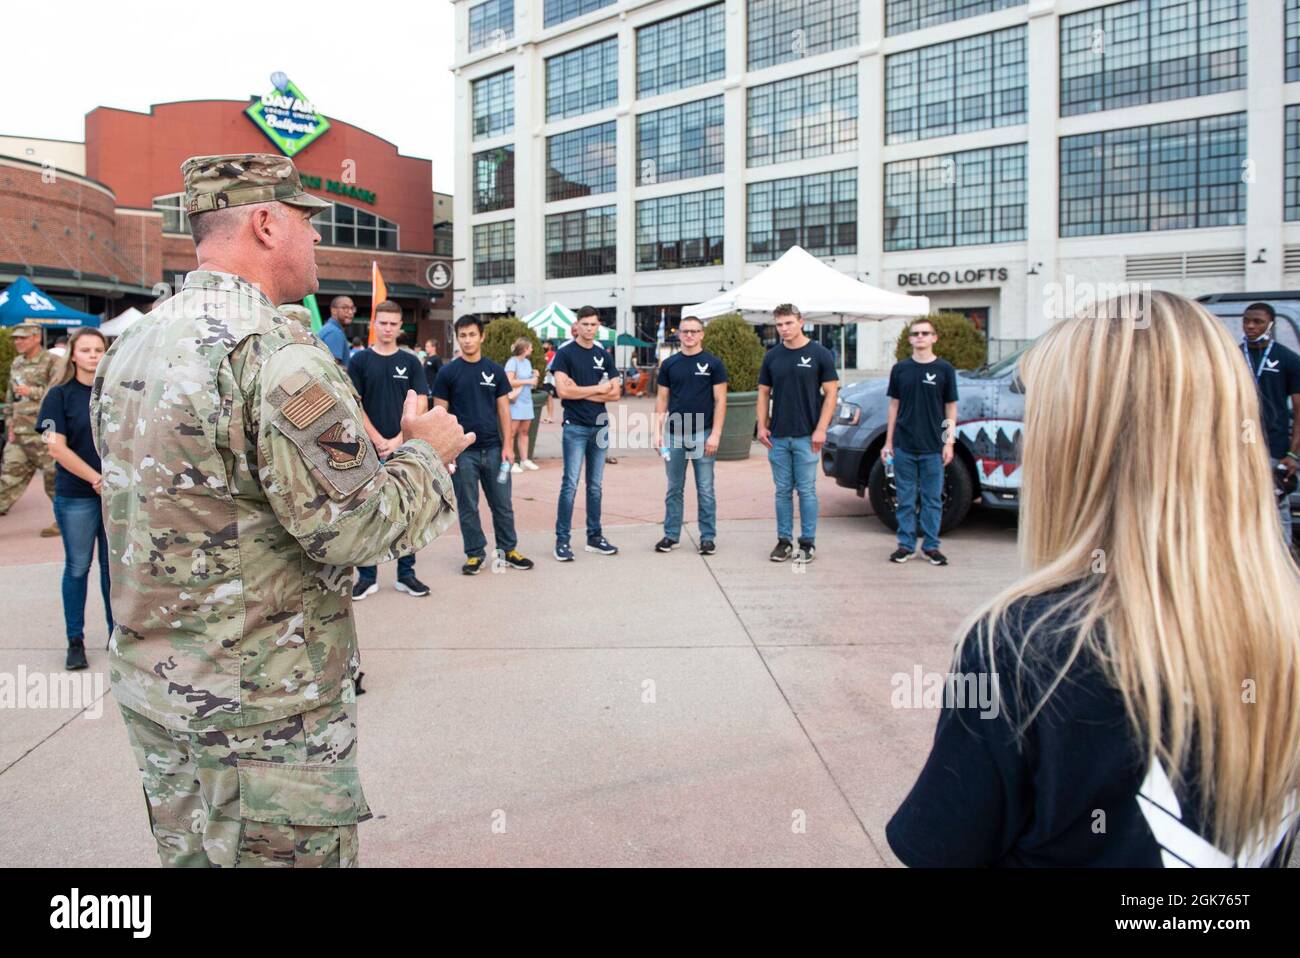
<point>321,473</point>
<point>50,366</point>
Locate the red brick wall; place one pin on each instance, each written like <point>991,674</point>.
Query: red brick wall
<point>139,156</point>
<point>78,227</point>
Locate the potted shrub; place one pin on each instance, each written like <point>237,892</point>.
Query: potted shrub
<point>498,337</point>
<point>959,341</point>
<point>736,343</point>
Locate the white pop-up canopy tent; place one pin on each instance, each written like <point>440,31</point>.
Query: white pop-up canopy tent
<point>822,293</point>
<point>120,324</point>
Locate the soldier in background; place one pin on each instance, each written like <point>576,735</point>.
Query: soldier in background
<point>240,488</point>
<point>33,371</point>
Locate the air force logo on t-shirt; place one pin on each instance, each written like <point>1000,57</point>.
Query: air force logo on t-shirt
<point>929,379</point>
<point>1270,365</point>
<point>399,372</point>
<point>599,362</point>
<point>701,369</point>
<point>489,379</point>
<point>805,362</point>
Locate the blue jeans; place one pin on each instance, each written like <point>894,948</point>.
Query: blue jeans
<point>475,467</point>
<point>81,523</point>
<point>794,466</point>
<point>918,473</point>
<point>581,443</point>
<point>679,451</point>
<point>1283,510</point>
<point>368,573</point>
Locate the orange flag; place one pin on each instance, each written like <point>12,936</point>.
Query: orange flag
<point>378,293</point>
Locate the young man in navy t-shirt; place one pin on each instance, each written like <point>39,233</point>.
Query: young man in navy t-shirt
<point>382,374</point>
<point>919,439</point>
<point>1276,371</point>
<point>689,411</point>
<point>474,389</point>
<point>798,377</point>
<point>585,379</point>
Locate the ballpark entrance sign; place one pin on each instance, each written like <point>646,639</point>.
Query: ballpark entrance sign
<point>287,117</point>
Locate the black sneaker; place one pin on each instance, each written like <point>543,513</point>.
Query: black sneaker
<point>900,555</point>
<point>363,589</point>
<point>473,565</point>
<point>936,557</point>
<point>665,545</point>
<point>602,545</point>
<point>411,584</point>
<point>563,553</point>
<point>806,552</point>
<point>707,548</point>
<point>76,656</point>
<point>782,551</point>
<point>515,560</point>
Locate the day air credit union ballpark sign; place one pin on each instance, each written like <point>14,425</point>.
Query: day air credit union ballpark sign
<point>287,117</point>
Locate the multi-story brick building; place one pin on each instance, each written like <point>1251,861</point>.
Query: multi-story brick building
<point>100,224</point>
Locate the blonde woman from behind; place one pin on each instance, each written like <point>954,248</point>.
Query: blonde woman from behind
<point>1148,662</point>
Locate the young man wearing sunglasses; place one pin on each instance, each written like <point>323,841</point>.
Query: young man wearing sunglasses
<point>922,418</point>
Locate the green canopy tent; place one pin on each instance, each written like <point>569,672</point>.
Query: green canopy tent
<point>555,321</point>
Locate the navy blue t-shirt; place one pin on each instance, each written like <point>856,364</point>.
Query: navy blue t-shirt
<point>795,377</point>
<point>1075,790</point>
<point>584,367</point>
<point>1278,379</point>
<point>690,381</point>
<point>66,410</point>
<point>471,391</point>
<point>382,382</point>
<point>921,390</point>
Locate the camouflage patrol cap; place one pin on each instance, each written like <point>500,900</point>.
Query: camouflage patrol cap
<point>239,179</point>
<point>25,329</point>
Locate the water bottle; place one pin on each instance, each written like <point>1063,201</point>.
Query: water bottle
<point>889,467</point>
<point>504,472</point>
<point>663,451</point>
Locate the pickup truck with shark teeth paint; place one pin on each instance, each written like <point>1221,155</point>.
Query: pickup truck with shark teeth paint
<point>990,413</point>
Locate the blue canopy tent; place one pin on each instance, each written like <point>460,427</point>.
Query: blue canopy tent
<point>24,302</point>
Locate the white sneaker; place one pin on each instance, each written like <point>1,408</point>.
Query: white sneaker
<point>515,469</point>
<point>529,464</point>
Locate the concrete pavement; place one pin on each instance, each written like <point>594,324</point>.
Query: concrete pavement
<point>641,709</point>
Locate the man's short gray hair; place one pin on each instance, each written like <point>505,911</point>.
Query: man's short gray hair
<point>217,224</point>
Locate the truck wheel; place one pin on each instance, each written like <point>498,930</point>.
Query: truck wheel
<point>958,493</point>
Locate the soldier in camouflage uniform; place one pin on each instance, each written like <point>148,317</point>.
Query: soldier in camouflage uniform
<point>33,371</point>
<point>239,490</point>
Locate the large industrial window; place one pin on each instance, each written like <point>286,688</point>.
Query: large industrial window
<point>1165,177</point>
<point>681,51</point>
<point>969,84</point>
<point>494,253</point>
<point>581,162</point>
<point>494,104</point>
<point>1148,51</point>
<point>971,198</point>
<point>811,115</point>
<point>680,142</point>
<point>490,23</point>
<point>581,243</point>
<point>782,30</point>
<point>494,179</point>
<point>582,80</point>
<point>680,231</point>
<point>818,212</point>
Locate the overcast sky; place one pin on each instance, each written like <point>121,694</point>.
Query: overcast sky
<point>382,65</point>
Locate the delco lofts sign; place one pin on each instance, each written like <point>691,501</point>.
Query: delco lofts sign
<point>946,277</point>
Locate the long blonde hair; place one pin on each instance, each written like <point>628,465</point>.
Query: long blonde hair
<point>1146,478</point>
